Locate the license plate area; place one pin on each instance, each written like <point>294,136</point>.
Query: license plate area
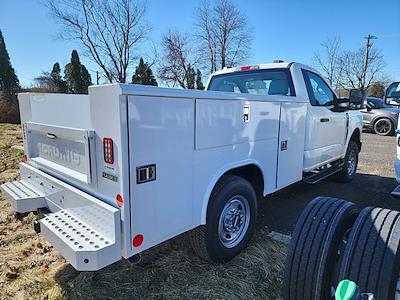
<point>63,150</point>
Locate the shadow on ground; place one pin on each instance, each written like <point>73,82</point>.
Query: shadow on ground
<point>279,211</point>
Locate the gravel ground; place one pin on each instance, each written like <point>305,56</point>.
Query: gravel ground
<point>374,181</point>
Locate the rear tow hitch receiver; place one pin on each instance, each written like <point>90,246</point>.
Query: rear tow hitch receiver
<point>36,226</point>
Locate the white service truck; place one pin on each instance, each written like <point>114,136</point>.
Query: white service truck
<point>127,167</point>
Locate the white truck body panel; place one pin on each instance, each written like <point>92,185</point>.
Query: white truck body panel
<point>190,138</point>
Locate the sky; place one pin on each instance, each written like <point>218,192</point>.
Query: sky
<point>291,30</point>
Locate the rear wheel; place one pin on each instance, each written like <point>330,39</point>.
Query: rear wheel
<point>383,126</point>
<point>314,249</point>
<point>372,254</point>
<point>231,217</point>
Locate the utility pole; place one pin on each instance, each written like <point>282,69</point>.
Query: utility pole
<point>97,77</point>
<point>368,46</point>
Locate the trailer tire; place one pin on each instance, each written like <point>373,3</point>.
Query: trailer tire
<point>313,251</point>
<point>350,164</point>
<point>372,254</point>
<point>232,197</point>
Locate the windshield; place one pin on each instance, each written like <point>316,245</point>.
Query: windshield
<point>256,82</point>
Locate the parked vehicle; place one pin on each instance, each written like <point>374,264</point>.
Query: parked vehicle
<point>127,167</point>
<point>392,96</point>
<point>379,116</point>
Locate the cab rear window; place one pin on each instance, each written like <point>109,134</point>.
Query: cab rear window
<point>256,82</point>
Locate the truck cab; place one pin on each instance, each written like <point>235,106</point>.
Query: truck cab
<point>329,126</point>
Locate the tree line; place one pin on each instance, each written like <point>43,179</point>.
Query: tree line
<point>345,69</point>
<point>113,33</point>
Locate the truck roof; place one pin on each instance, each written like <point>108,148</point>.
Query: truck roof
<point>276,65</point>
<point>259,66</point>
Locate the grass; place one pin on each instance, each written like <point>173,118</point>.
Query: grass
<point>32,269</point>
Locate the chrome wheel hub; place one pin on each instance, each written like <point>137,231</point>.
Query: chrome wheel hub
<point>234,221</point>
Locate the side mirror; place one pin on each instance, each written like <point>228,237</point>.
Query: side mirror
<point>392,94</point>
<point>356,97</point>
<point>369,108</point>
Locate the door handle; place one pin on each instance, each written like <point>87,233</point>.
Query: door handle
<point>51,136</point>
<point>323,120</point>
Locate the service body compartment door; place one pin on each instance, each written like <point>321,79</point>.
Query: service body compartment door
<point>291,143</point>
<point>61,150</point>
<point>161,145</point>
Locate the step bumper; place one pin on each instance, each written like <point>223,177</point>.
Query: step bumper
<point>85,230</point>
<point>85,236</point>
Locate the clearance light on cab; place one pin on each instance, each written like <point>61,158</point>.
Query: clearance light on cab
<point>108,150</point>
<point>247,68</point>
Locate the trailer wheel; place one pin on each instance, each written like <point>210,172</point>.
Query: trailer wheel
<point>231,217</point>
<point>350,163</point>
<point>372,256</point>
<point>314,249</point>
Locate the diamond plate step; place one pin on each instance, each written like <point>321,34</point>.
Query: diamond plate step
<point>85,236</point>
<point>27,195</point>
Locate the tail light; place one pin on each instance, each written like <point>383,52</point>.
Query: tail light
<point>108,150</point>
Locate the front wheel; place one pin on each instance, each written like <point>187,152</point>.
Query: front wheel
<point>350,163</point>
<point>231,217</point>
<point>383,126</point>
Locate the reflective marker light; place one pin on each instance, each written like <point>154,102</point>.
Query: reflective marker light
<point>137,240</point>
<point>120,200</point>
<point>108,150</point>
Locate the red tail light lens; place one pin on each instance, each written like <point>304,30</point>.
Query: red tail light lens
<point>108,150</point>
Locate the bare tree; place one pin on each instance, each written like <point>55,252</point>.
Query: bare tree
<point>223,34</point>
<point>206,36</point>
<point>328,61</point>
<point>108,29</point>
<point>176,66</point>
<point>358,71</point>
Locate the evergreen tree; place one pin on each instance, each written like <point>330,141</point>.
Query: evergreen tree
<point>60,85</point>
<point>190,77</point>
<point>77,76</point>
<point>8,79</point>
<point>199,82</point>
<point>86,79</point>
<point>144,75</point>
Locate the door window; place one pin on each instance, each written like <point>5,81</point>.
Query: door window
<point>318,90</point>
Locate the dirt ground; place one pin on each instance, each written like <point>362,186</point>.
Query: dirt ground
<point>32,269</point>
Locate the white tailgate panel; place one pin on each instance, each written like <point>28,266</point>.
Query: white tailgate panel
<point>161,132</point>
<point>63,150</point>
<point>292,129</point>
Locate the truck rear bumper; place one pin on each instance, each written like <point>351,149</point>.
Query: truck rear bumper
<point>84,229</point>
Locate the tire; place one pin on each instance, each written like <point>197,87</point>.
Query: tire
<point>372,256</point>
<point>313,251</point>
<point>213,241</point>
<point>350,164</point>
<point>383,126</point>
